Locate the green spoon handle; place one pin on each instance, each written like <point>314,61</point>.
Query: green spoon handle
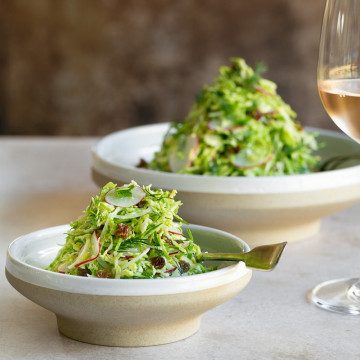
<point>224,256</point>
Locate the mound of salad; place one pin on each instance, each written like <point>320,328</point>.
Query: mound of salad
<point>129,232</point>
<point>238,126</point>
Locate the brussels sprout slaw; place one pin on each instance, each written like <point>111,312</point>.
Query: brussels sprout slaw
<point>129,232</point>
<point>238,126</point>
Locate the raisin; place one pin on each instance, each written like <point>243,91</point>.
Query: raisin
<point>158,262</point>
<point>141,204</point>
<point>123,231</point>
<point>82,272</point>
<point>257,114</point>
<point>184,265</point>
<point>142,164</point>
<point>104,274</point>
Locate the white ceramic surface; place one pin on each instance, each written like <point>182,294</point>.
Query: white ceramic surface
<point>124,312</point>
<point>261,209</point>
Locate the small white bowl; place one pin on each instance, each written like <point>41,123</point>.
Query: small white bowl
<point>264,209</point>
<point>124,312</point>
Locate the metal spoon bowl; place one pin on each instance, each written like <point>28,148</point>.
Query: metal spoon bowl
<point>263,257</point>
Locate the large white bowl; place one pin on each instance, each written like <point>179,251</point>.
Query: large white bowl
<point>259,209</point>
<point>124,312</point>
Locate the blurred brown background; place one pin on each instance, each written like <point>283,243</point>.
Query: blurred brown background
<point>89,67</point>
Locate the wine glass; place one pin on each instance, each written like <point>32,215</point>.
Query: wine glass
<point>339,87</point>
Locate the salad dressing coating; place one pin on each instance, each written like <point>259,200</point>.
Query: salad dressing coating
<point>238,126</point>
<point>129,232</point>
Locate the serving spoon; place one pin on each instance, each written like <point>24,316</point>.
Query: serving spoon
<point>263,257</point>
<point>336,161</point>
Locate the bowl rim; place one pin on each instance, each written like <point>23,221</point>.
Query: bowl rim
<point>117,287</point>
<point>221,184</point>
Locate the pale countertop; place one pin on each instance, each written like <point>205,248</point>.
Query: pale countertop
<point>46,182</point>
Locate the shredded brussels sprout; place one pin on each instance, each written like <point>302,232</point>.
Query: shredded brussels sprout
<point>238,126</point>
<point>129,232</point>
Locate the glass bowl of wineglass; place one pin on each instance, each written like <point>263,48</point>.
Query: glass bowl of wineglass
<point>339,88</point>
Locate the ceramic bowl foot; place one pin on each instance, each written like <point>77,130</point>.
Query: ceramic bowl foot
<point>118,335</point>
